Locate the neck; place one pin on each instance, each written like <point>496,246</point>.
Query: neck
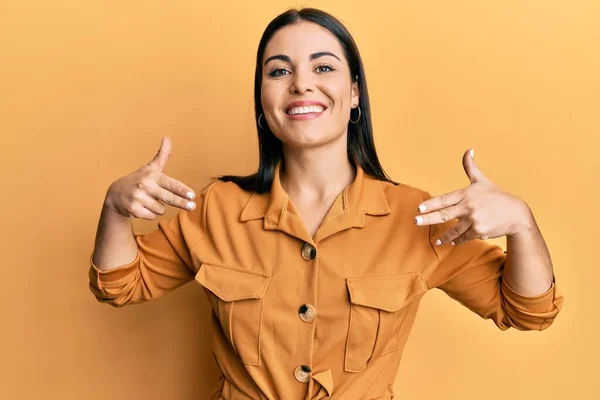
<point>316,173</point>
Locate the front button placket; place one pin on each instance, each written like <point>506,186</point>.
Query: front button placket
<point>306,311</point>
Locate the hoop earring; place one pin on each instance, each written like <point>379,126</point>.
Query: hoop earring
<point>359,114</point>
<point>259,125</point>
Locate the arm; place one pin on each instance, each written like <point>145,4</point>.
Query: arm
<point>115,241</point>
<point>472,274</point>
<point>161,260</point>
<point>515,289</point>
<point>528,267</point>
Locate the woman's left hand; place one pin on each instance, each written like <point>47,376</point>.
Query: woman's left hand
<point>484,210</point>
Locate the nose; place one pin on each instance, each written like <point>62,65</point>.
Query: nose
<point>301,82</point>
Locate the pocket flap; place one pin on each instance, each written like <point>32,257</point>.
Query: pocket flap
<point>386,292</point>
<point>232,284</point>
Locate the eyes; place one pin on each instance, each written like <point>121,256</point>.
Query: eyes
<point>322,68</point>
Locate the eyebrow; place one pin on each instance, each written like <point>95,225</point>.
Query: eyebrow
<point>312,57</point>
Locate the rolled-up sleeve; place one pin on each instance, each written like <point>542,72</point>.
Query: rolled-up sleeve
<point>163,262</point>
<point>471,273</point>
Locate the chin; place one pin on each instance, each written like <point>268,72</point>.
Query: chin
<point>305,138</point>
<point>309,136</point>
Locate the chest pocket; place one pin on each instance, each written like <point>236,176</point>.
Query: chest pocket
<point>237,299</point>
<point>378,307</point>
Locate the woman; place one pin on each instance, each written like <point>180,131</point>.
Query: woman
<point>315,265</point>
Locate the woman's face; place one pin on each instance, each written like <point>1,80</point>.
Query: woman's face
<point>305,63</point>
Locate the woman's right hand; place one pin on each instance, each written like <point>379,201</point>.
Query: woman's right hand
<point>139,195</point>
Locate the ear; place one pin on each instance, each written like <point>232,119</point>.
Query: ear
<point>355,91</point>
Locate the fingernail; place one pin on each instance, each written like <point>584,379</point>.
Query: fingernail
<point>472,153</point>
<point>190,205</point>
<point>190,195</point>
<point>419,220</point>
<point>422,207</point>
<point>452,243</point>
<point>438,242</point>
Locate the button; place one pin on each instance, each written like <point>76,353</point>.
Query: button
<point>308,252</point>
<point>302,373</point>
<point>307,313</point>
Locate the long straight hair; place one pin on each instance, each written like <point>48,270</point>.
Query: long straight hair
<point>360,144</point>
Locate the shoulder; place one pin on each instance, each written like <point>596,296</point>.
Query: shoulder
<point>403,195</point>
<point>226,195</point>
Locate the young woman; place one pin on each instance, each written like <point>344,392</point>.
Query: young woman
<point>315,265</point>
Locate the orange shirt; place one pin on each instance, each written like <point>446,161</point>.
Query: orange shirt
<point>296,317</point>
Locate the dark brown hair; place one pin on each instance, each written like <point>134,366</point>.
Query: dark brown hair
<point>361,147</point>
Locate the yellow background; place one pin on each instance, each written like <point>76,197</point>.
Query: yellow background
<point>88,88</point>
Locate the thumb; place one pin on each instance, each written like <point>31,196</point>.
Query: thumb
<point>160,159</point>
<point>473,172</point>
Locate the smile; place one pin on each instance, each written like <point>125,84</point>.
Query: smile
<point>308,112</point>
<point>305,110</point>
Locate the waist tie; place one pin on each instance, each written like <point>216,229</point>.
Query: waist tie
<point>320,386</point>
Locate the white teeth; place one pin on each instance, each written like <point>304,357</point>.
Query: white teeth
<point>305,110</point>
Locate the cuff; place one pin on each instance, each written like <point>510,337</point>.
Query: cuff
<point>535,304</point>
<point>114,275</point>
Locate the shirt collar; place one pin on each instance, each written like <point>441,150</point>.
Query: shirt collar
<point>364,196</point>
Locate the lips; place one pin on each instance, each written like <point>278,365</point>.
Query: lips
<point>304,103</point>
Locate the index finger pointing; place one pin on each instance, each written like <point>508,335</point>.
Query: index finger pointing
<point>441,201</point>
<point>176,187</point>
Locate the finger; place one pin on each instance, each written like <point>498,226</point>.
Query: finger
<point>470,234</point>
<point>473,172</point>
<point>153,205</point>
<point>139,211</point>
<point>175,186</point>
<point>171,197</point>
<point>457,229</point>
<point>440,216</point>
<point>164,152</point>
<point>442,201</point>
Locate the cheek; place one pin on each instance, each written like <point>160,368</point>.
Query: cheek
<point>342,106</point>
<point>342,102</point>
<point>340,96</point>
<point>270,96</point>
<point>265,97</point>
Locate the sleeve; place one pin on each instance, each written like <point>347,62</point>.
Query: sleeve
<point>471,273</point>
<point>163,262</point>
